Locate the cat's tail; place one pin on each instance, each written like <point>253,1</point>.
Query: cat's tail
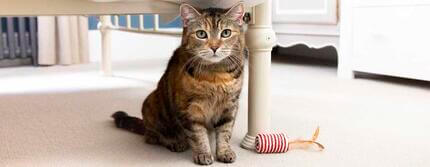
<point>132,124</point>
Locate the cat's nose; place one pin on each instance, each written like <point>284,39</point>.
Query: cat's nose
<point>214,48</point>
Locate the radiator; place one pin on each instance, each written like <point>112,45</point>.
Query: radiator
<point>18,41</point>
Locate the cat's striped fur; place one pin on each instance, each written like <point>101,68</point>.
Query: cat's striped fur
<point>199,91</point>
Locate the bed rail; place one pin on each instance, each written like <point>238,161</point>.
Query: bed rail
<point>141,28</point>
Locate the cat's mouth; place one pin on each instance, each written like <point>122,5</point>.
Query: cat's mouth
<point>211,57</point>
<point>214,58</point>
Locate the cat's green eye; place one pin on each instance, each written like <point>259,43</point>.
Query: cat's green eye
<point>226,33</point>
<point>201,34</point>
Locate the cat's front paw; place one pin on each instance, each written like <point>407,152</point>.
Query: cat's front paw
<point>203,158</point>
<point>226,156</point>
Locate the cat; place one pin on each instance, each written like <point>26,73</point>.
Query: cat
<point>199,91</point>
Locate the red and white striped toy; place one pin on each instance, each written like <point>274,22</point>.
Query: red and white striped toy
<point>280,143</point>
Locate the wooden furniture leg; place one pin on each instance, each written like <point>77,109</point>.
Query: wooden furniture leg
<point>105,29</point>
<point>260,40</point>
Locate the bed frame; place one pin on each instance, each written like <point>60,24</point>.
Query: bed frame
<point>260,40</point>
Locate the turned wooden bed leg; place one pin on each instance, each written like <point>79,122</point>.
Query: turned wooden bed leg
<point>260,40</point>
<point>105,29</point>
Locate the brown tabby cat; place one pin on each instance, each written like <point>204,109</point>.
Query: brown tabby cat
<point>200,88</point>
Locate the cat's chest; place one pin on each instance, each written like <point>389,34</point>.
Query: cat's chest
<point>214,97</point>
<point>214,87</point>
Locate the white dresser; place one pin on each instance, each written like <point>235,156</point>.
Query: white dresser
<point>389,37</point>
<point>310,22</point>
<point>314,23</point>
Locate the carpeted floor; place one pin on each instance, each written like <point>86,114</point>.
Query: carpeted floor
<point>60,116</point>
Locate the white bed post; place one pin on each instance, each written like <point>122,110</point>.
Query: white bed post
<point>260,40</point>
<point>105,29</point>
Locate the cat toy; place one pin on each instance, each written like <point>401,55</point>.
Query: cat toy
<point>281,143</point>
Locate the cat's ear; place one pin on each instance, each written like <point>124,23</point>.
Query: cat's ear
<point>236,13</point>
<point>188,14</point>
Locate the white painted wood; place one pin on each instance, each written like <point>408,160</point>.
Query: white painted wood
<point>197,3</point>
<point>373,36</point>
<point>392,41</point>
<point>312,41</point>
<point>162,31</point>
<point>155,30</point>
<point>82,7</point>
<point>313,23</point>
<point>305,11</point>
<point>388,3</point>
<point>307,29</point>
<point>260,40</point>
<point>105,29</point>
<point>141,22</point>
<point>156,22</point>
<point>116,20</point>
<point>128,21</point>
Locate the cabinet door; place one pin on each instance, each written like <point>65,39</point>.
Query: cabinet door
<point>305,11</point>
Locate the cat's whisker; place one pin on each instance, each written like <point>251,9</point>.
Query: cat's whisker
<point>230,50</point>
<point>231,63</point>
<point>236,61</point>
<point>200,68</point>
<point>189,63</point>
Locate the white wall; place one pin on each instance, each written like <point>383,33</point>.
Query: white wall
<point>126,46</point>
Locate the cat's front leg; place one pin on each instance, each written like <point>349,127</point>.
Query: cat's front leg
<point>197,135</point>
<point>224,128</point>
<point>199,141</point>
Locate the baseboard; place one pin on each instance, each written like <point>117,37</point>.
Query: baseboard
<point>15,62</point>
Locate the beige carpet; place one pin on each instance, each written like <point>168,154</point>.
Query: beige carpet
<point>60,116</point>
